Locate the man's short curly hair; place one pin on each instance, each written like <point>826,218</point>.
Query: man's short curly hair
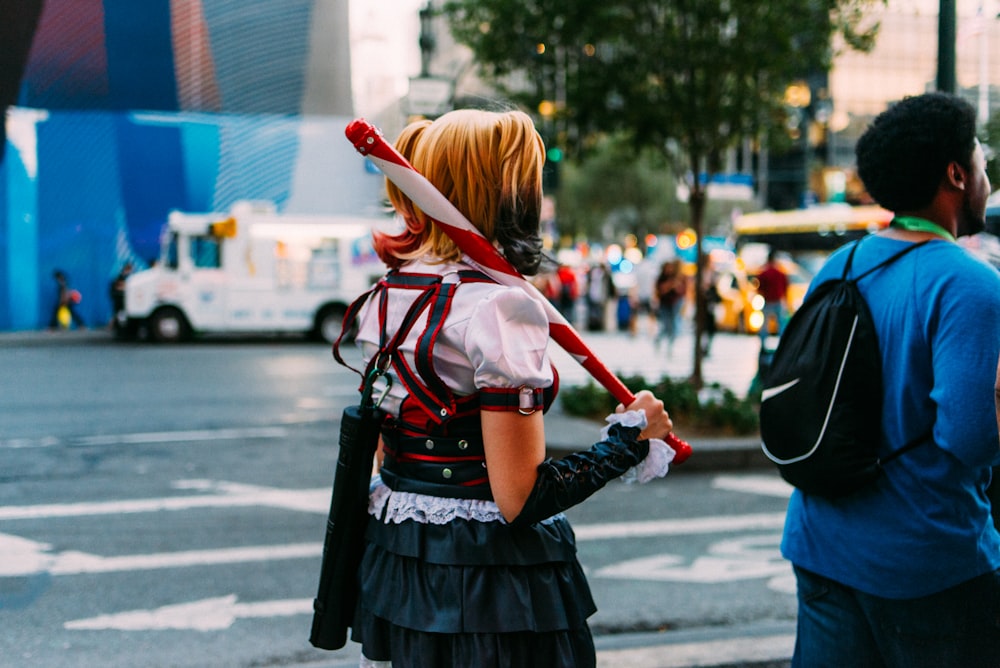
<point>904,153</point>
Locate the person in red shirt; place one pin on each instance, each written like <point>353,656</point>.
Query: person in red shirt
<point>569,290</point>
<point>772,285</point>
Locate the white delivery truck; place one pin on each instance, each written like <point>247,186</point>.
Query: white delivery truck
<point>251,271</point>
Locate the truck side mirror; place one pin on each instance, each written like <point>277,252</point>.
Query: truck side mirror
<point>224,228</point>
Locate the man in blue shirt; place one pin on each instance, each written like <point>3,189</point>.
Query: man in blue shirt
<point>906,572</point>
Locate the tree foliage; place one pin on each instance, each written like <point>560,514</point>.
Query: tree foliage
<point>694,75</point>
<point>615,183</point>
<point>688,78</point>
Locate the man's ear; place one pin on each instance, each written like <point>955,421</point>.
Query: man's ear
<point>956,175</point>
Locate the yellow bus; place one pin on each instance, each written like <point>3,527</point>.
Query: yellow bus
<point>818,229</point>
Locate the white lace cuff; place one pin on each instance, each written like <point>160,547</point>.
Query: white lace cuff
<point>657,462</point>
<point>626,419</point>
<point>395,507</point>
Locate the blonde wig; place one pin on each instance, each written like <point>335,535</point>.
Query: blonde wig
<point>489,165</point>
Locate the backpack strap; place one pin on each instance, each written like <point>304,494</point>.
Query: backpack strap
<point>392,279</point>
<point>422,383</point>
<point>348,324</point>
<point>424,354</point>
<point>883,263</point>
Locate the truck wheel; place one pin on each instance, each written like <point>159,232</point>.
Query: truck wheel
<point>168,325</point>
<point>329,322</point>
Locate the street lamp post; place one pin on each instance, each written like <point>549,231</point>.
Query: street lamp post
<point>427,40</point>
<point>946,46</point>
<point>430,96</point>
<point>798,96</point>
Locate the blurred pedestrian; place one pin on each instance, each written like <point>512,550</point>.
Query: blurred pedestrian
<point>117,293</point>
<point>906,572</point>
<point>65,314</point>
<point>569,290</point>
<point>712,299</point>
<point>671,288</point>
<point>469,560</point>
<point>600,290</point>
<point>624,284</point>
<point>645,294</point>
<point>772,285</point>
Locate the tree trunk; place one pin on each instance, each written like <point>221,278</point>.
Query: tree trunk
<point>696,204</point>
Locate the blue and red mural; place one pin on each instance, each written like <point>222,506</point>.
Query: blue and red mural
<point>121,111</point>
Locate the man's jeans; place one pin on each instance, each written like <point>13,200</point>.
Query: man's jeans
<point>772,311</point>
<point>839,626</point>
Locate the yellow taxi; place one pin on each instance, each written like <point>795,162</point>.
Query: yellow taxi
<point>739,308</point>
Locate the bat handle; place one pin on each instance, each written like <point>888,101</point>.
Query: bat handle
<point>682,449</point>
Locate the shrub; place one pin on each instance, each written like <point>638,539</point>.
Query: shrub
<point>713,409</point>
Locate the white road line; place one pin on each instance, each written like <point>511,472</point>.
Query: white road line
<point>78,563</point>
<point>210,614</point>
<point>182,436</point>
<point>693,525</point>
<point>232,495</point>
<point>763,485</point>
<point>717,652</point>
<point>146,438</point>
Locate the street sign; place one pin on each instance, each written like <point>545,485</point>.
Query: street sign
<point>429,96</point>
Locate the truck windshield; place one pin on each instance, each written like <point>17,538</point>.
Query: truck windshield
<point>205,252</point>
<point>170,252</point>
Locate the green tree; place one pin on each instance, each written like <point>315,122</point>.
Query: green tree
<point>688,78</point>
<point>615,183</point>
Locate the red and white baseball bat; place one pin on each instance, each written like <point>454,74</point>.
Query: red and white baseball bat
<point>369,142</point>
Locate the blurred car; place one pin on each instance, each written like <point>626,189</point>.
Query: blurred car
<point>734,309</point>
<point>740,307</point>
<point>986,244</point>
<point>993,214</point>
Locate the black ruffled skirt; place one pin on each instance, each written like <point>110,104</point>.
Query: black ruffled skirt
<point>475,594</point>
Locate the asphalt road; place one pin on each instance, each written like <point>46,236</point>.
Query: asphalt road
<point>165,506</point>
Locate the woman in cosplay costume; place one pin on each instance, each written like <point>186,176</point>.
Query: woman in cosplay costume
<point>469,560</point>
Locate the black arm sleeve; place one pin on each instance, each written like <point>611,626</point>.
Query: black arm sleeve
<point>563,483</point>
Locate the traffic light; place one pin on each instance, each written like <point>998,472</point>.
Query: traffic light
<point>550,172</point>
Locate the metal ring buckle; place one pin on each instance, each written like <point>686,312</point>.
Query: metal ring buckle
<point>385,390</point>
<point>379,370</point>
<point>526,400</point>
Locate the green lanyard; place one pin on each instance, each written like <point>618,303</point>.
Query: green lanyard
<point>921,225</point>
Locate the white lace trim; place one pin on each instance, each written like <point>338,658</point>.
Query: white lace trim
<point>657,462</point>
<point>401,506</point>
<point>626,419</point>
<point>655,465</point>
